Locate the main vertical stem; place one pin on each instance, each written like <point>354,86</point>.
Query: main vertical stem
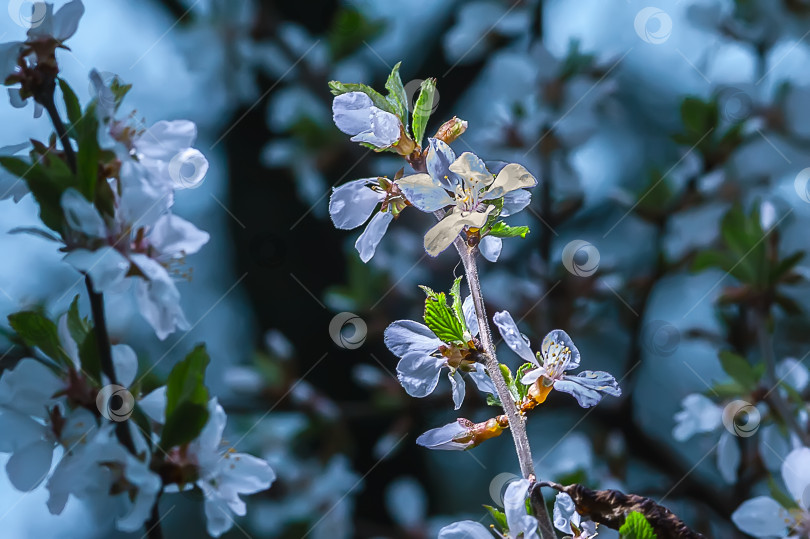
<point>122,431</point>
<point>517,424</point>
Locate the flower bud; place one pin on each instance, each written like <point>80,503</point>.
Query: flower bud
<point>451,130</point>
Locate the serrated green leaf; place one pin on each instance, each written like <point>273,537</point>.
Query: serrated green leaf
<point>455,293</point>
<point>636,527</point>
<point>502,230</point>
<point>397,96</point>
<point>440,318</point>
<point>498,516</point>
<point>37,331</point>
<point>379,101</point>
<point>89,357</point>
<point>423,109</point>
<point>738,369</point>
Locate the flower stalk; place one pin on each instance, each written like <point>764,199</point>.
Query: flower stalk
<point>517,423</point>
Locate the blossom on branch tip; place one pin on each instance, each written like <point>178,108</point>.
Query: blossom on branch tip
<point>355,114</point>
<point>557,356</point>
<point>569,521</point>
<point>466,186</point>
<point>462,434</point>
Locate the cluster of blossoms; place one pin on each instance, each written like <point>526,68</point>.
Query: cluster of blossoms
<point>106,197</point>
<point>468,198</point>
<point>117,223</point>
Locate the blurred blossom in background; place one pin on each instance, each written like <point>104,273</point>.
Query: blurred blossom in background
<point>645,122</point>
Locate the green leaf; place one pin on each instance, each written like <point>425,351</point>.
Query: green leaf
<point>186,381</point>
<point>423,108</point>
<point>379,101</point>
<point>636,527</point>
<point>523,389</point>
<point>502,230</point>
<point>186,400</point>
<point>458,309</point>
<point>440,319</point>
<point>45,185</point>
<point>493,400</point>
<point>77,326</point>
<point>698,116</point>
<point>89,357</point>
<point>780,496</point>
<point>349,30</point>
<point>184,425</point>
<point>739,369</point>
<point>397,96</point>
<point>119,90</point>
<point>510,381</point>
<point>37,331</point>
<point>72,106</point>
<point>88,155</point>
<point>498,516</point>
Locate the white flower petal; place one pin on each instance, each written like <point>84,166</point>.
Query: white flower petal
<point>588,387</point>
<point>515,201</point>
<point>490,247</point>
<point>762,517</point>
<point>352,203</point>
<point>175,237</point>
<point>351,112</point>
<point>514,503</point>
<point>466,529</point>
<point>29,465</point>
<point>439,238</point>
<point>158,298</point>
<point>510,178</point>
<point>438,161</point>
<point>424,192</point>
<point>81,215</point>
<point>472,169</point>
<point>367,243</point>
<point>699,414</point>
<point>126,364</point>
<point>793,372</point>
<point>458,388</point>
<point>512,336</point>
<point>165,139</point>
<point>419,373</point>
<point>66,20</point>
<point>442,438</point>
<point>470,317</point>
<point>154,405</point>
<point>405,336</point>
<point>561,337</point>
<point>796,474</point>
<point>728,457</point>
<point>106,266</point>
